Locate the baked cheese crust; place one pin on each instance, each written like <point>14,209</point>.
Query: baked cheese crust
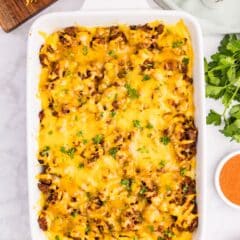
<point>117,139</point>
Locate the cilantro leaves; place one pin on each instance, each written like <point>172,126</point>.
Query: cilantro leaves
<point>113,152</point>
<point>70,152</point>
<point>98,139</point>
<point>222,76</point>
<point>127,183</point>
<point>214,118</point>
<point>132,92</point>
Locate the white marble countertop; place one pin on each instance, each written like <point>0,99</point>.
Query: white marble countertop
<point>222,222</point>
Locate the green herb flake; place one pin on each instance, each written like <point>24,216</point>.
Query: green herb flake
<point>85,141</point>
<point>113,113</point>
<point>183,171</point>
<point>132,92</point>
<point>81,165</point>
<point>185,189</point>
<point>136,124</point>
<point>143,149</point>
<point>57,237</point>
<point>127,183</point>
<point>160,238</point>
<point>168,189</point>
<point>151,228</point>
<point>98,139</point>
<point>70,152</point>
<point>113,152</point>
<point>185,61</point>
<point>146,78</point>
<point>149,126</point>
<point>87,229</point>
<point>162,164</point>
<point>142,190</point>
<point>74,214</point>
<point>177,44</point>
<point>45,151</point>
<point>112,54</point>
<point>165,140</point>
<point>79,134</point>
<point>168,233</point>
<point>85,50</point>
<point>50,132</point>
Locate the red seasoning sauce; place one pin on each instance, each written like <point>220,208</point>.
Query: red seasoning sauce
<point>230,179</point>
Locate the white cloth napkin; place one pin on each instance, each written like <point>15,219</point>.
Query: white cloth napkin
<point>224,19</point>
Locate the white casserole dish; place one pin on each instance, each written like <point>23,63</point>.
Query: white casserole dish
<point>52,22</point>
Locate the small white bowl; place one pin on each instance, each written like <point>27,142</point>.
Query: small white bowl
<point>217,179</point>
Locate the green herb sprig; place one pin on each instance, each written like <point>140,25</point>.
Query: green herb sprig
<point>222,74</point>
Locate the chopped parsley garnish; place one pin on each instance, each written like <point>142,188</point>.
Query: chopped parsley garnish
<point>185,60</point>
<point>98,139</point>
<point>146,78</point>
<point>85,50</point>
<point>162,164</point>
<point>177,44</point>
<point>57,237</point>
<point>45,151</point>
<point>168,189</point>
<point>142,190</point>
<point>149,125</point>
<point>165,140</point>
<point>132,92</point>
<point>151,228</point>
<point>143,150</point>
<point>50,132</point>
<point>160,238</point>
<point>168,233</point>
<point>185,188</point>
<point>85,141</point>
<point>74,214</point>
<point>113,152</point>
<point>87,229</point>
<point>113,113</point>
<point>137,124</point>
<point>80,134</point>
<point>112,54</point>
<point>127,183</point>
<point>81,165</point>
<point>149,135</point>
<point>70,152</point>
<point>222,74</point>
<point>183,171</point>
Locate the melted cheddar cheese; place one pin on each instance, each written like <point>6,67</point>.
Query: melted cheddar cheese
<point>117,140</point>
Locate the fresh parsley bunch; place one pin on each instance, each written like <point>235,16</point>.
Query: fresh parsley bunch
<point>222,76</point>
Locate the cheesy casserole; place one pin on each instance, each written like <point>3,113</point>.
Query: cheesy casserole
<point>117,139</point>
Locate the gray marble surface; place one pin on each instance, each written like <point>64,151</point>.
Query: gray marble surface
<point>222,222</point>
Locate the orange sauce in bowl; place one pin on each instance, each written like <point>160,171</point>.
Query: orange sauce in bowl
<point>230,179</point>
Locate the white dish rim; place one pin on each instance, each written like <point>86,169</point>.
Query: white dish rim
<point>45,21</point>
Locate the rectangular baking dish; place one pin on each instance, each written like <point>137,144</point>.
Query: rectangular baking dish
<point>54,21</point>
